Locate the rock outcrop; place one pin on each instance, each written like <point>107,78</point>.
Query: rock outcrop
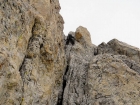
<point>32,57</point>
<point>108,74</point>
<point>38,67</point>
<point>78,58</point>
<point>117,47</point>
<point>112,82</point>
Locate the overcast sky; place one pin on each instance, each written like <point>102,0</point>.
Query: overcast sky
<point>104,19</point>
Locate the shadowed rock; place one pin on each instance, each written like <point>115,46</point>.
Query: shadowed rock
<point>41,66</point>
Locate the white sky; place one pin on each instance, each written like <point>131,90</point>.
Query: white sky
<point>104,19</point>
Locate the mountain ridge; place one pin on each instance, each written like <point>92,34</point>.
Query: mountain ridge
<point>39,65</point>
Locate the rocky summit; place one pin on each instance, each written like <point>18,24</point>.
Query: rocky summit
<point>39,65</point>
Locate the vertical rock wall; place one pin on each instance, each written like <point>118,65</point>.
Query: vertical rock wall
<point>108,74</point>
<point>78,57</point>
<point>32,58</point>
<point>41,66</point>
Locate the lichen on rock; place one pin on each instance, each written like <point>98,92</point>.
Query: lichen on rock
<point>32,58</point>
<point>39,65</point>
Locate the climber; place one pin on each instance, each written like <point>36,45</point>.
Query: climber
<point>70,39</point>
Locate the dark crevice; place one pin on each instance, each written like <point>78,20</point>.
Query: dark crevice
<point>67,68</point>
<point>60,97</point>
<point>29,57</point>
<point>22,66</point>
<point>95,51</point>
<point>131,66</point>
<point>41,45</point>
<point>21,74</point>
<point>70,39</point>
<point>26,56</point>
<point>21,70</point>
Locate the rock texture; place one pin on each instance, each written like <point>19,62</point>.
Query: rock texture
<point>32,58</point>
<point>108,74</point>
<point>117,47</point>
<point>78,58</point>
<point>112,82</point>
<point>37,67</point>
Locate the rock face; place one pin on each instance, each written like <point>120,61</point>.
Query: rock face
<point>117,47</point>
<point>108,74</point>
<point>32,57</point>
<point>78,58</point>
<point>112,82</point>
<point>37,67</point>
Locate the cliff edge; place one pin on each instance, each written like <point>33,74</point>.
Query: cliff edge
<point>32,57</point>
<point>39,65</point>
<point>107,74</point>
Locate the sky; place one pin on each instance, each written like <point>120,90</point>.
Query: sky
<point>104,19</point>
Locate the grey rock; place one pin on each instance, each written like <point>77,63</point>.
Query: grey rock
<point>117,47</point>
<point>100,75</point>
<point>37,67</point>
